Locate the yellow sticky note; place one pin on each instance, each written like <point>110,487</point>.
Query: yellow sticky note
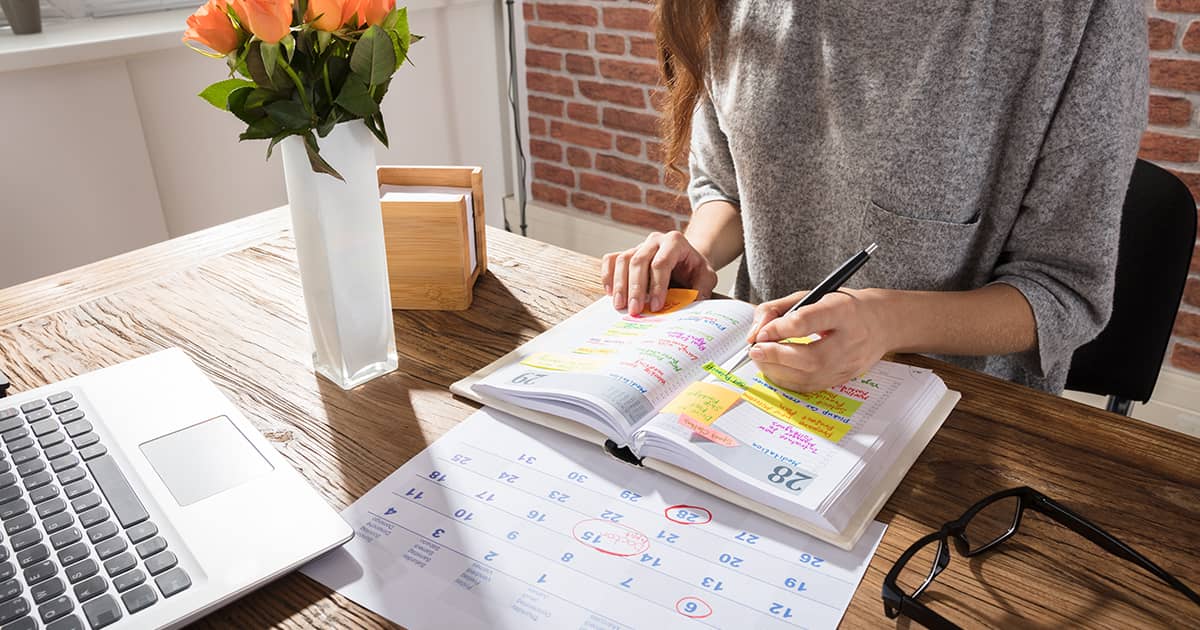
<point>829,401</point>
<point>779,405</point>
<point>565,362</point>
<point>676,299</point>
<point>704,402</point>
<point>803,341</point>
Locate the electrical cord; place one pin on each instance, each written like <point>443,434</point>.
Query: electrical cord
<point>516,110</point>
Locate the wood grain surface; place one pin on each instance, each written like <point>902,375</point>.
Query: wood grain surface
<point>237,311</point>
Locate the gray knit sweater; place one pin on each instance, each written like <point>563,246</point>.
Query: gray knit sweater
<point>974,141</point>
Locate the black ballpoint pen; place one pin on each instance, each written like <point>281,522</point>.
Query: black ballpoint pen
<point>831,283</point>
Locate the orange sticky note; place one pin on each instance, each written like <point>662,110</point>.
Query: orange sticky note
<point>705,402</point>
<point>707,432</point>
<point>676,299</point>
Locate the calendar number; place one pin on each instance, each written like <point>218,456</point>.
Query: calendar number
<point>788,478</point>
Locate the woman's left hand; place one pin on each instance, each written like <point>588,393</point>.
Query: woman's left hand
<point>853,338</point>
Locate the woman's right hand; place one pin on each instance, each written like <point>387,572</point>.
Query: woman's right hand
<point>640,276</point>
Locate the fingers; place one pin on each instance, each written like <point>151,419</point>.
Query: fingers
<point>639,274</point>
<point>620,279</point>
<point>814,318</point>
<point>638,278</point>
<point>673,248</point>
<point>802,368</point>
<point>769,311</point>
<point>607,263</point>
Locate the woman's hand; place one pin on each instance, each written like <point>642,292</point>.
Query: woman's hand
<point>639,277</point>
<point>853,338</point>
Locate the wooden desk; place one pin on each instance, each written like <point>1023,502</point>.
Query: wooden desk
<point>231,298</point>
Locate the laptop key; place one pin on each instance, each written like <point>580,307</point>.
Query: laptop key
<point>26,457</point>
<point>50,439</point>
<point>77,428</point>
<point>66,537</point>
<point>33,405</point>
<point>47,590</point>
<point>111,547</point>
<point>81,487</point>
<point>87,439</point>
<point>41,571</point>
<point>13,508</point>
<point>103,531</point>
<point>71,475</point>
<point>6,466</point>
<point>37,480</point>
<point>120,564</point>
<point>141,532</point>
<point>54,399</point>
<point>73,554</point>
<point>7,570</point>
<point>44,427</point>
<point>93,451</point>
<point>57,522</point>
<point>3,553</point>
<point>116,489</point>
<point>19,524</point>
<point>32,556</point>
<point>43,494</point>
<point>25,539</point>
<point>24,623</point>
<point>70,622</point>
<point>56,608</point>
<point>38,416</point>
<point>139,598</point>
<point>129,579</point>
<point>64,407</point>
<point>63,463</point>
<point>56,451</point>
<point>51,507</point>
<point>9,589</point>
<point>7,478</point>
<point>90,588</point>
<point>173,581</point>
<point>102,611</point>
<point>9,493</point>
<point>14,609</point>
<point>14,434</point>
<point>71,416</point>
<point>11,423</point>
<point>21,444</point>
<point>93,516</point>
<point>161,562</point>
<point>151,547</point>
<point>85,502</point>
<point>5,414</point>
<point>82,570</point>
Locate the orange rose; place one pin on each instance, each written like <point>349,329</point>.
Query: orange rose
<point>211,27</point>
<point>269,20</point>
<point>330,12</point>
<point>370,12</point>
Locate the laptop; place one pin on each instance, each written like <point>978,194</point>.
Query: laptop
<point>137,496</point>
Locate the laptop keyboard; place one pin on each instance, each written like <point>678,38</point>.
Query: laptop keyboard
<point>78,549</point>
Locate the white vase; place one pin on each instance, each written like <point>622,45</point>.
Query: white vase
<point>343,264</point>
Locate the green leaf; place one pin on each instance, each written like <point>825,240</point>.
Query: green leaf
<point>239,104</point>
<point>373,58</point>
<point>355,98</point>
<point>258,71</point>
<point>276,140</point>
<point>260,97</point>
<point>218,93</point>
<point>270,57</point>
<point>397,49</point>
<point>289,115</point>
<point>325,126</point>
<point>318,163</point>
<point>378,128</point>
<point>261,129</point>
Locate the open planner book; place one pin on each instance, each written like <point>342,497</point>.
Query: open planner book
<point>650,389</point>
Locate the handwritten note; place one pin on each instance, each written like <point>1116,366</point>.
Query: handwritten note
<point>727,377</point>
<point>562,362</point>
<point>791,407</point>
<point>702,401</point>
<point>707,432</point>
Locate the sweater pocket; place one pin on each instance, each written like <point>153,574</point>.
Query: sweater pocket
<point>918,254</point>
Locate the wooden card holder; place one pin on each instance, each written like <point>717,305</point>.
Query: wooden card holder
<point>428,243</point>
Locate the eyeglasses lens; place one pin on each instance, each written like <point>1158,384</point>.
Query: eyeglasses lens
<point>993,522</point>
<point>918,571</point>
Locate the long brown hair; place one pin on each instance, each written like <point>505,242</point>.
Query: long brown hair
<point>682,30</point>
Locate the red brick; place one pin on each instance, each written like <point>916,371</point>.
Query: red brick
<point>631,121</point>
<point>611,44</point>
<point>557,37</point>
<point>1185,357</point>
<point>546,150</point>
<point>583,136</point>
<point>1195,266</point>
<point>542,82</point>
<point>555,174</point>
<point>654,152</point>
<point>642,217</point>
<point>547,106</point>
<point>632,71</point>
<point>579,158</point>
<point>610,187</point>
<point>1169,110</point>
<point>629,146</point>
<point>1191,179</point>
<point>527,9</point>
<point>619,94</point>
<point>1175,74</point>
<point>671,202</point>
<point>1191,291</point>
<point>537,126</point>
<point>583,113</point>
<point>579,64</point>
<point>1187,325</point>
<point>627,168</point>
<point>1162,34</point>
<point>1168,148</point>
<point>543,59</point>
<point>628,18</point>
<point>1178,6</point>
<point>588,203</point>
<point>567,14</point>
<point>1191,39</point>
<point>643,47</point>
<point>549,194</point>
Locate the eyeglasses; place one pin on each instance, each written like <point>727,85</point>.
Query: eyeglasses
<point>981,528</point>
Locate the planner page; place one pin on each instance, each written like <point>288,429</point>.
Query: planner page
<point>505,524</point>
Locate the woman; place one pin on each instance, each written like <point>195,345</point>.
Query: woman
<point>985,146</point>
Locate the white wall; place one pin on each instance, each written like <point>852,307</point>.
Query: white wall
<point>105,155</point>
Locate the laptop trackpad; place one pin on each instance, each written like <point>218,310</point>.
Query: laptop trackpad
<point>204,459</point>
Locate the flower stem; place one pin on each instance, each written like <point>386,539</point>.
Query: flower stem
<point>299,86</point>
<point>325,76</point>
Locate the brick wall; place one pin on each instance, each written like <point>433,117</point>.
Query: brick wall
<point>592,78</point>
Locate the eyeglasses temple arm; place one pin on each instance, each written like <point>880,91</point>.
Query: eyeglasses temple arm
<point>1106,541</point>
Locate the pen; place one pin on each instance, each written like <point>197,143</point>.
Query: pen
<point>831,283</point>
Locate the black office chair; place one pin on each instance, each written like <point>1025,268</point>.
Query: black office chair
<point>1158,233</point>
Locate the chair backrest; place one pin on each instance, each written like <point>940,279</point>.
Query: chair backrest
<point>1158,234</point>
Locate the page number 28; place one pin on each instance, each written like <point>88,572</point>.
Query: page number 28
<point>788,478</point>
